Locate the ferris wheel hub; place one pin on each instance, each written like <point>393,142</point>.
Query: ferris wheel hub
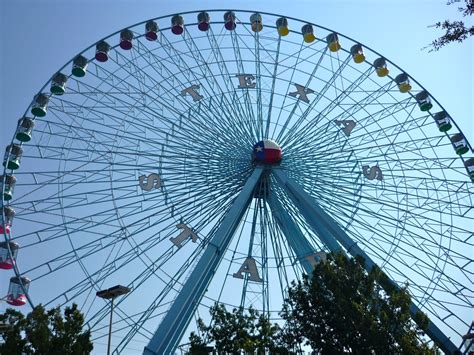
<point>267,151</point>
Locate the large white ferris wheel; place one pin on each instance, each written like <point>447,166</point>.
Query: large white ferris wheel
<point>217,156</point>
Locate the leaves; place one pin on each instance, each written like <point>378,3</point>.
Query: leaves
<point>344,309</point>
<point>339,309</point>
<point>236,330</point>
<point>455,31</point>
<point>45,332</point>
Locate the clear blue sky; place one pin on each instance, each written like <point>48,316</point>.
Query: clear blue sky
<point>40,36</point>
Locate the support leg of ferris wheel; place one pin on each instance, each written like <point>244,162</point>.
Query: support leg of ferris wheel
<point>303,250</point>
<point>320,220</point>
<point>171,329</point>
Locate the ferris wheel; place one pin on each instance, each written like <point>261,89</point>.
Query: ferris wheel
<point>217,156</point>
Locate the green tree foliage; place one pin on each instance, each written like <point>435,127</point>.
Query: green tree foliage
<point>44,332</point>
<point>232,332</point>
<point>342,309</point>
<point>339,309</point>
<point>455,31</point>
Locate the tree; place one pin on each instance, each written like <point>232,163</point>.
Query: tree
<point>236,331</point>
<point>44,332</point>
<point>342,308</point>
<point>455,31</point>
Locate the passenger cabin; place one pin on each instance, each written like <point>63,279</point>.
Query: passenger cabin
<point>18,290</point>
<point>403,82</point>
<point>126,39</point>
<point>282,26</point>
<point>177,24</point>
<point>332,40</point>
<point>102,51</point>
<point>7,260</point>
<point>24,129</point>
<point>424,101</point>
<point>40,105</point>
<point>308,33</point>
<point>256,22</point>
<point>357,53</point>
<point>58,84</point>
<point>8,182</point>
<point>381,67</point>
<point>12,157</point>
<point>79,66</point>
<point>229,20</point>
<point>151,31</point>
<point>203,21</point>
<point>443,121</point>
<point>8,214</point>
<point>459,143</point>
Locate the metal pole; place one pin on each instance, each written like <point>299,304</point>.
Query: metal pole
<point>110,324</point>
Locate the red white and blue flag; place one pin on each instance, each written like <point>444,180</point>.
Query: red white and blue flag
<point>267,151</point>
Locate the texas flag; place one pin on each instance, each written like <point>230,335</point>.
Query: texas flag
<point>267,151</point>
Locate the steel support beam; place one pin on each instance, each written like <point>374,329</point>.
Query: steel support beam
<point>320,220</point>
<point>295,238</point>
<point>171,329</point>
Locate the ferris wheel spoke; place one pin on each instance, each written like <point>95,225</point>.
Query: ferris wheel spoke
<point>241,71</point>
<point>427,236</point>
<point>211,78</point>
<point>113,108</point>
<point>101,137</point>
<point>221,63</point>
<point>413,196</point>
<point>156,303</point>
<point>109,268</point>
<point>259,83</point>
<point>87,249</point>
<point>219,118</point>
<point>302,92</point>
<point>171,98</point>
<point>272,90</point>
<point>312,104</point>
<point>353,108</point>
<point>386,203</point>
